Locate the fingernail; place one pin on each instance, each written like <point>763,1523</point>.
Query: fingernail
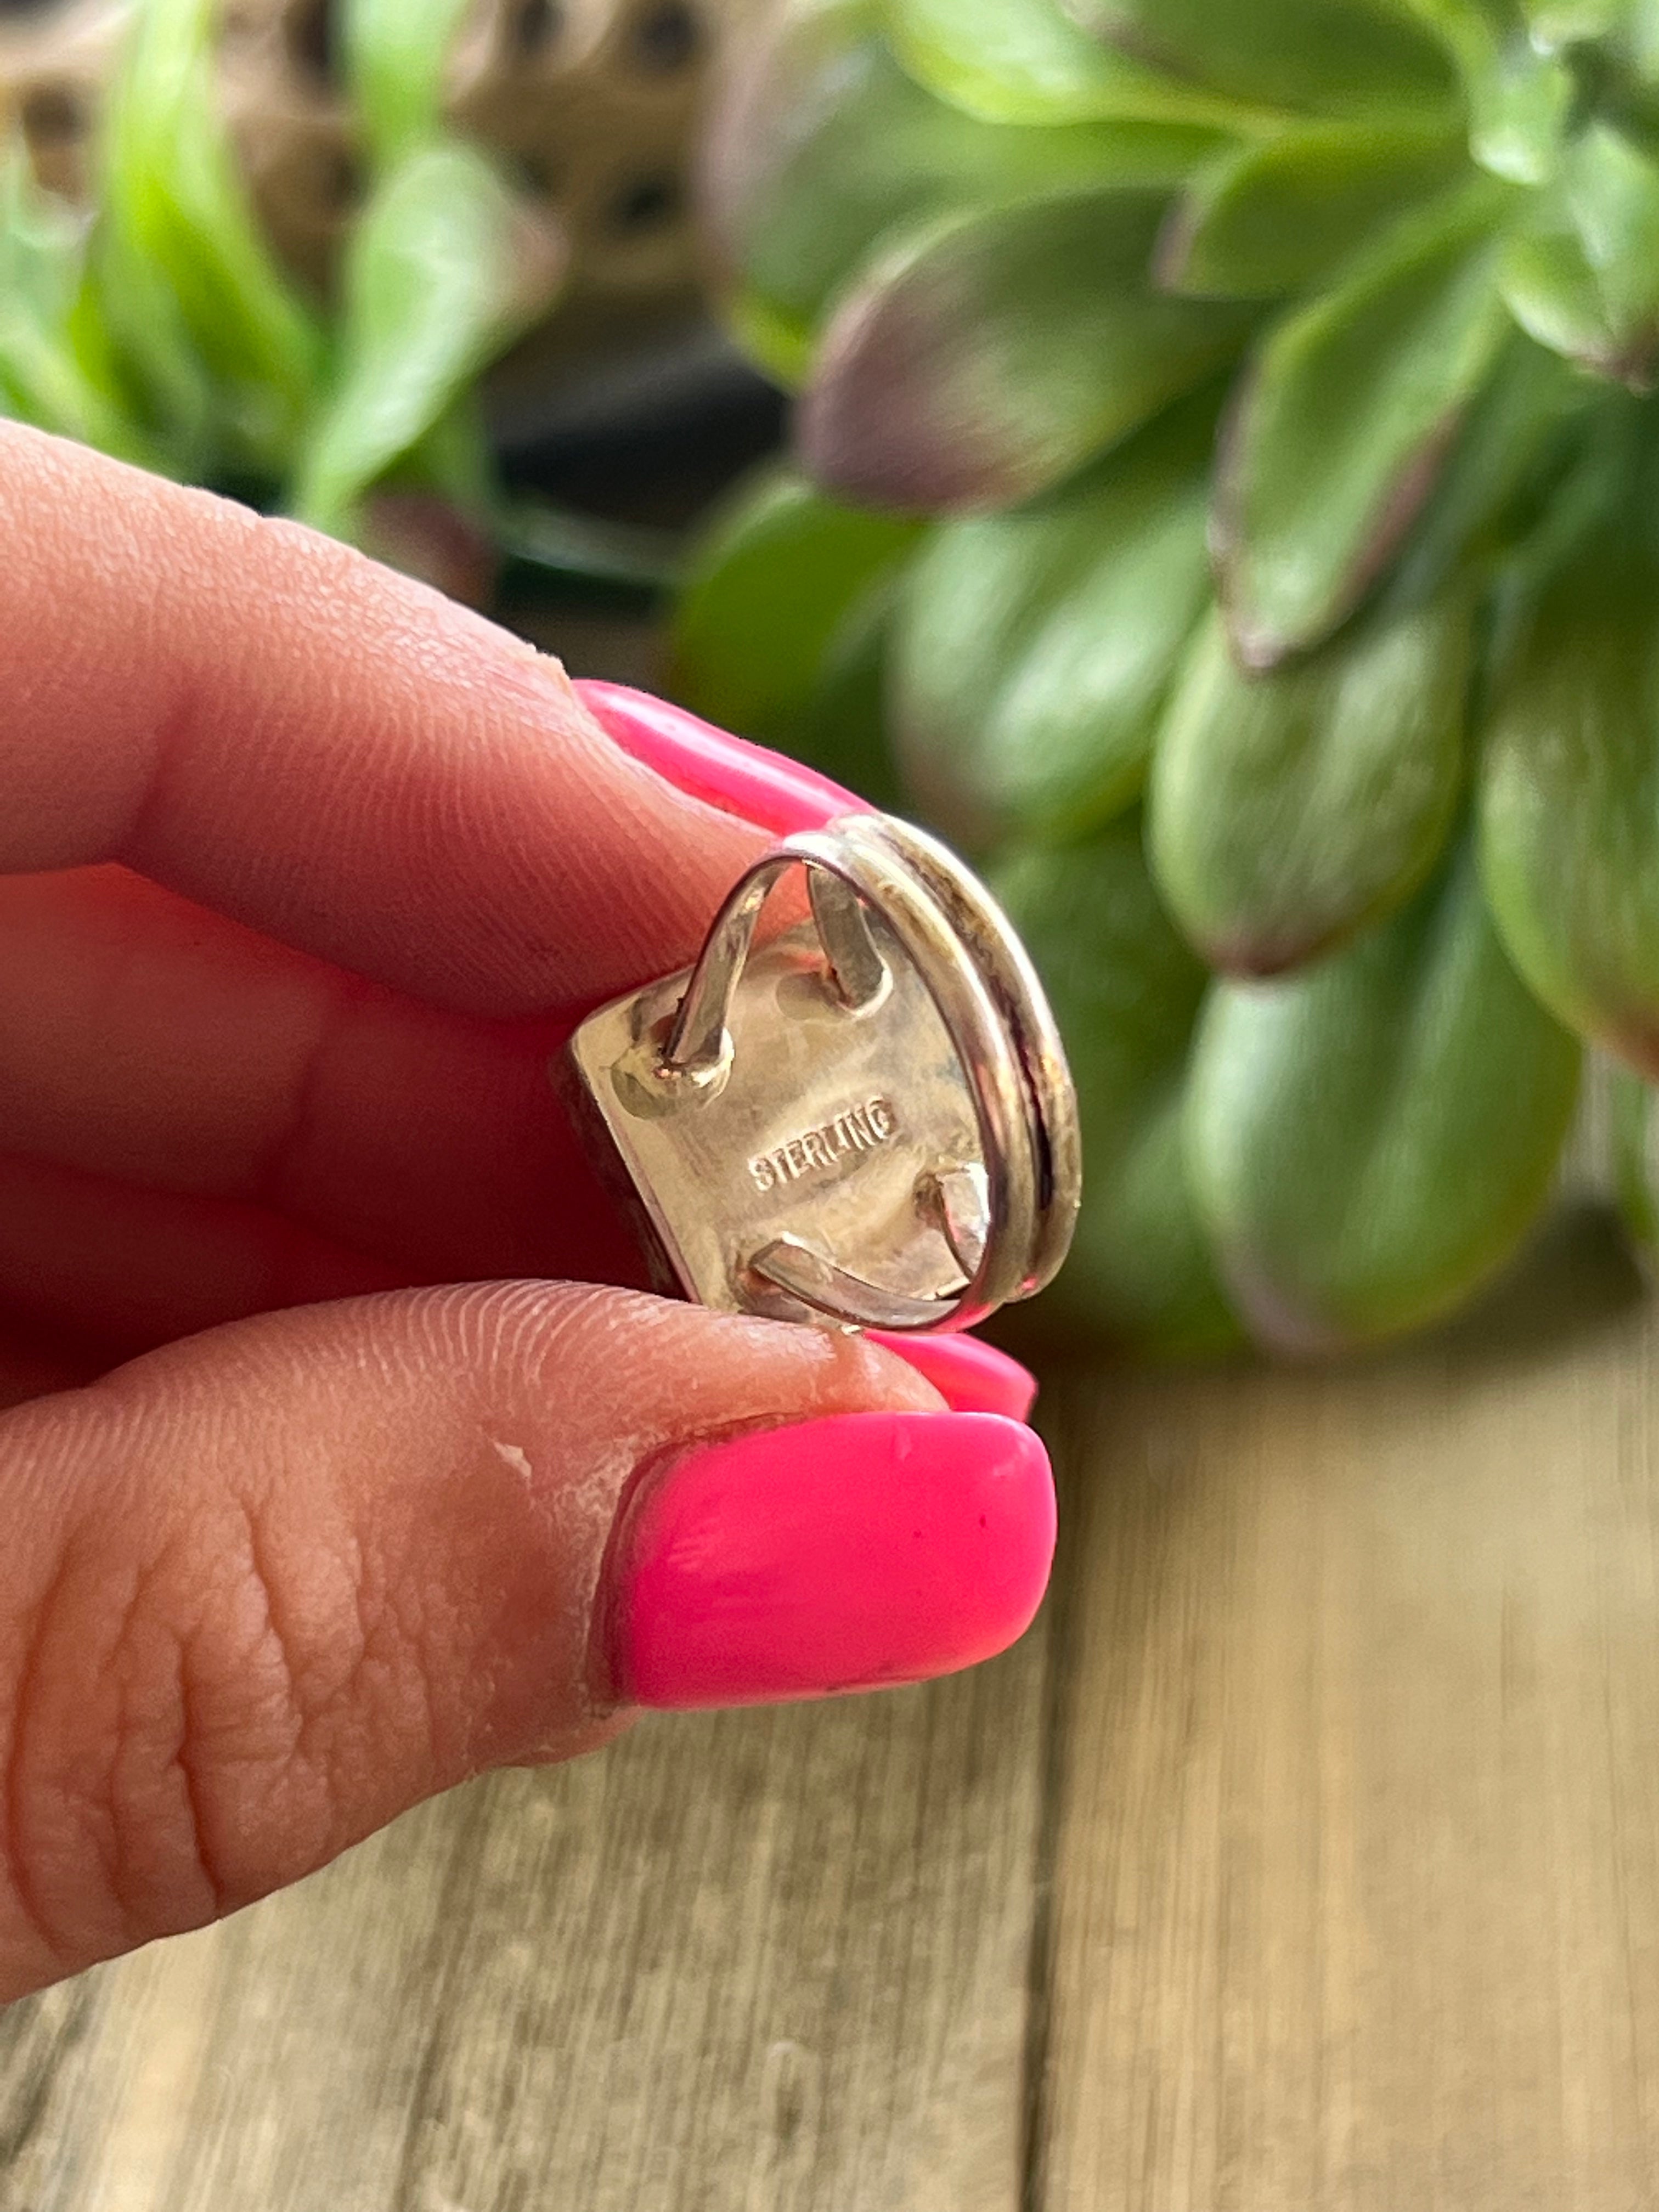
<point>970,1376</point>
<point>710,764</point>
<point>849,1554</point>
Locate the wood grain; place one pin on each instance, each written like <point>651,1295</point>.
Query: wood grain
<point>1357,1820</point>
<point>1307,1861</point>
<point>734,1965</point>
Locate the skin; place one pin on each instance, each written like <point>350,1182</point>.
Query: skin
<point>312,1459</point>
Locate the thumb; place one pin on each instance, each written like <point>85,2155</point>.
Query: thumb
<point>268,1587</point>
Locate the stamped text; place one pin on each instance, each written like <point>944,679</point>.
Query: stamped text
<point>860,1129</point>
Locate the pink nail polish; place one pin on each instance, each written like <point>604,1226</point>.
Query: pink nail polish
<point>970,1376</point>
<point>849,1554</point>
<point>710,764</point>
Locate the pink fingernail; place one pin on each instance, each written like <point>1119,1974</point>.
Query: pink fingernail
<point>710,764</point>
<point>849,1554</point>
<point>970,1376</point>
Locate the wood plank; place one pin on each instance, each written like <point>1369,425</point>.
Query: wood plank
<point>735,1964</point>
<point>1356,1898</point>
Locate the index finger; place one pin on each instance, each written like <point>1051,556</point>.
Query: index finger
<point>286,731</point>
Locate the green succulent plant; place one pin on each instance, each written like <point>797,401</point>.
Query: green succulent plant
<point>1225,497</point>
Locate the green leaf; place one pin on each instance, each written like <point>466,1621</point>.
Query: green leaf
<point>1520,107</point>
<point>196,298</point>
<point>396,51</point>
<point>823,151</point>
<point>996,355</point>
<point>1024,61</point>
<point>556,546</point>
<point>1550,290</point>
<point>1269,219</point>
<point>779,343</point>
<point>1346,418</point>
<point>1569,813</point>
<point>43,379</point>
<point>1126,992</point>
<point>1520,94</point>
<point>1369,1140</point>
<point>1641,39</point>
<point>1290,810</point>
<point>772,585</point>
<point>1584,279</point>
<point>1035,648</point>
<point>136,317</point>
<point>841,729</point>
<point>1320,57</point>
<point>1556,24</point>
<point>441,274</point>
<point>1613,190</point>
<point>1521,435</point>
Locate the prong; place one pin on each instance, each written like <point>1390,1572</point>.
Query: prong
<point>698,1049</point>
<point>789,1264</point>
<point>958,1202</point>
<point>856,967</point>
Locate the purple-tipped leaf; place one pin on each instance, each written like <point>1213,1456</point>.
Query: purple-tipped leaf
<point>994,355</point>
<point>820,149</point>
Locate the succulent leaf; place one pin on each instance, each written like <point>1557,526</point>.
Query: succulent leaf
<point>825,150</point>
<point>842,729</point>
<point>43,376</point>
<point>1266,219</point>
<point>1367,1141</point>
<point>1290,810</point>
<point>1640,37</point>
<point>1126,991</point>
<point>1554,25</point>
<point>208,319</point>
<point>1520,107</point>
<point>1319,57</point>
<point>1522,436</point>
<point>1551,289</point>
<point>1584,277</point>
<point>1570,810</point>
<point>1034,648</point>
<point>435,284</point>
<point>776,584</point>
<point>1612,187</point>
<point>1346,415</point>
<point>993,356</point>
<point>1025,61</point>
<point>396,53</point>
<point>1520,92</point>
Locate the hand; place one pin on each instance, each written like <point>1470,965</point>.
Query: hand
<point>317,1494</point>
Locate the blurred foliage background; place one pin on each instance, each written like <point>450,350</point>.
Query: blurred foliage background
<point>1223,496</point>
<point>381,264</point>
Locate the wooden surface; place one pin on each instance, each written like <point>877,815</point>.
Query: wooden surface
<point>1306,1859</point>
<point>738,1964</point>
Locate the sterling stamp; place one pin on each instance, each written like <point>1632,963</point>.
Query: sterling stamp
<point>860,1129</point>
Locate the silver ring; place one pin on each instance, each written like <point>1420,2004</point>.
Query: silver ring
<point>996,1014</point>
